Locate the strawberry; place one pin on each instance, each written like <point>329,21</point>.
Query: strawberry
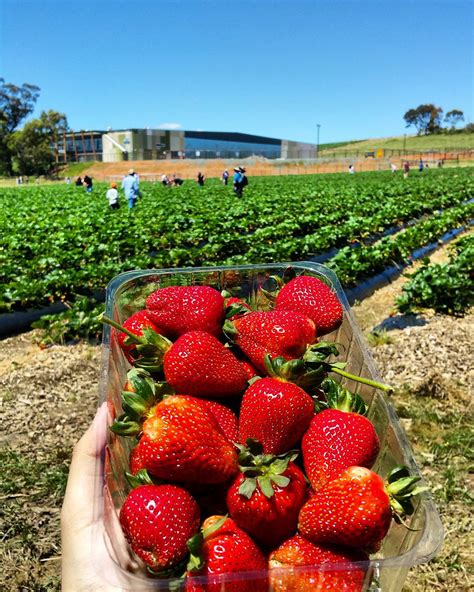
<point>136,462</point>
<point>235,307</point>
<point>157,521</point>
<point>277,333</point>
<point>338,438</point>
<point>225,418</point>
<point>198,364</point>
<point>276,413</point>
<point>140,399</point>
<point>299,552</point>
<point>179,309</point>
<point>223,549</point>
<point>313,298</point>
<point>249,369</point>
<point>266,497</point>
<point>182,441</point>
<point>135,324</point>
<point>356,508</point>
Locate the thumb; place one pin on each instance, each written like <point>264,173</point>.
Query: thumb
<point>84,484</point>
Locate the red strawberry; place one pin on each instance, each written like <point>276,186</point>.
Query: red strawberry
<point>139,402</point>
<point>157,521</point>
<point>198,364</point>
<point>337,439</point>
<point>226,419</point>
<point>182,441</point>
<point>313,298</point>
<point>136,461</point>
<point>179,309</point>
<point>266,497</point>
<point>276,413</point>
<point>299,552</point>
<point>355,509</point>
<point>249,369</point>
<point>225,550</point>
<point>135,325</point>
<point>277,333</point>
<point>235,307</point>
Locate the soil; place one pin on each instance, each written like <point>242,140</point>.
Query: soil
<point>150,170</point>
<point>48,397</point>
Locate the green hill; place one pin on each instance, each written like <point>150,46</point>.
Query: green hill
<point>434,142</point>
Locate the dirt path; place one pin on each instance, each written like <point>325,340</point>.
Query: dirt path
<point>48,397</point>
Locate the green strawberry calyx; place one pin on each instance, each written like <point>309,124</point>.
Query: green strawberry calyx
<point>316,357</point>
<point>141,477</point>
<point>262,470</point>
<point>338,397</point>
<point>194,544</point>
<point>402,488</point>
<point>137,405</point>
<point>295,371</point>
<point>229,330</point>
<point>177,571</point>
<point>235,308</point>
<point>149,348</point>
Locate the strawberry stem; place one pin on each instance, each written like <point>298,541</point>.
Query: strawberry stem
<point>375,384</point>
<point>103,319</point>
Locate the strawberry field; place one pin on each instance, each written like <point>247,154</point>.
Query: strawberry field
<point>425,363</point>
<point>57,242</point>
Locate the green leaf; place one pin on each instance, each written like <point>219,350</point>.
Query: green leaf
<point>248,486</point>
<point>265,484</point>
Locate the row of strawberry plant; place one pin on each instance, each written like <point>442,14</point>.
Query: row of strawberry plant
<point>58,241</point>
<point>444,287</point>
<point>352,265</point>
<point>300,222</point>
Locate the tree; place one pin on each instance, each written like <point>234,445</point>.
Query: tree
<point>16,103</point>
<point>426,118</point>
<point>454,117</point>
<point>32,147</point>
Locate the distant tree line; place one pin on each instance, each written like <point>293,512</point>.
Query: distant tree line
<point>30,150</point>
<point>428,119</point>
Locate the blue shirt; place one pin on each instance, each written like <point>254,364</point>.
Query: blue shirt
<point>130,187</point>
<point>237,177</point>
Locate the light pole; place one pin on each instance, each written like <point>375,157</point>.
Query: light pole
<point>318,125</point>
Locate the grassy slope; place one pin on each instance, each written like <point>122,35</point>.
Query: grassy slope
<point>434,142</point>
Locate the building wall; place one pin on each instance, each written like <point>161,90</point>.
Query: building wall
<point>221,148</point>
<point>297,150</point>
<point>155,144</point>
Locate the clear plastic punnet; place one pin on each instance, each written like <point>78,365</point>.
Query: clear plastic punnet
<point>401,549</point>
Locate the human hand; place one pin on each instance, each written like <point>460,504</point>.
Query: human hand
<point>87,564</point>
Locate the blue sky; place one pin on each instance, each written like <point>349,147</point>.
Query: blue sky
<point>270,67</point>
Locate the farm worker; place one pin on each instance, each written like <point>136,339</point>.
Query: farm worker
<point>225,177</point>
<point>351,169</point>
<point>420,166</point>
<point>130,188</point>
<point>200,179</point>
<point>406,169</point>
<point>88,183</point>
<point>112,196</point>
<point>393,167</point>
<point>237,179</point>
<point>139,193</point>
<point>241,182</point>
